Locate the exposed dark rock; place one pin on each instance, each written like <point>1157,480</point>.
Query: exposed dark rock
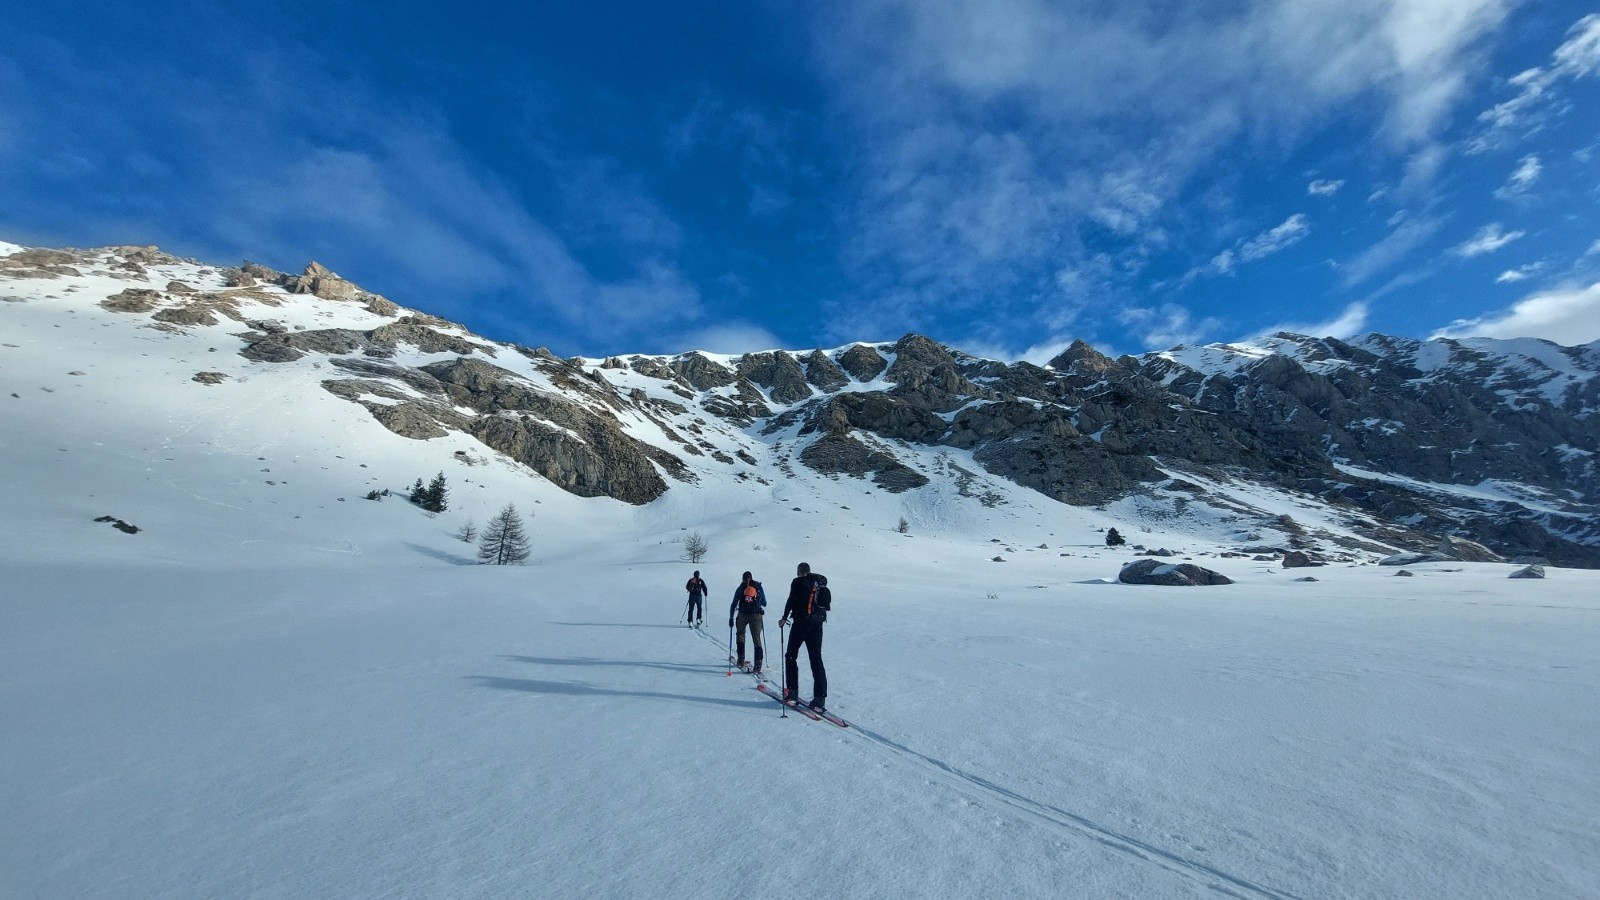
<point>601,462</point>
<point>925,375</point>
<point>777,371</point>
<point>1300,559</point>
<point>1151,571</point>
<point>209,377</point>
<point>1072,470</point>
<point>701,373</point>
<point>1407,559</point>
<point>178,287</point>
<point>40,264</point>
<point>416,420</point>
<point>317,280</point>
<point>1406,572</point>
<point>1528,572</point>
<point>879,413</point>
<point>862,362</point>
<point>824,372</point>
<point>841,454</point>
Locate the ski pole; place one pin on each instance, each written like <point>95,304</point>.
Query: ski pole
<point>685,613</point>
<point>784,678</point>
<point>730,649</point>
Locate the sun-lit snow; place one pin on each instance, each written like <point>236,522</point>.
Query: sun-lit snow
<point>278,688</point>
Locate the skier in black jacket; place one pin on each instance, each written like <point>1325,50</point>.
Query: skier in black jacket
<point>697,591</point>
<point>749,605</point>
<point>808,615</point>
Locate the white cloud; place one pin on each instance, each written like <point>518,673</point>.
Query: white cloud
<point>1352,320</point>
<point>1166,326</point>
<point>1577,57</point>
<point>1322,188</point>
<point>1569,316</point>
<point>1488,239</point>
<point>1405,237</point>
<point>731,338</point>
<point>1291,232</point>
<point>996,140</point>
<point>1511,275</point>
<point>1522,179</point>
<point>1593,249</point>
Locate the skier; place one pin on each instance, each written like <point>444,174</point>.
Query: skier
<point>749,604</point>
<point>808,607</point>
<point>697,591</point>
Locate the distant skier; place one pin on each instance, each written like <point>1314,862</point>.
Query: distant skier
<point>697,592</point>
<point>748,606</point>
<point>807,606</point>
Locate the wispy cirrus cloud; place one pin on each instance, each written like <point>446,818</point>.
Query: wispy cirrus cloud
<point>1522,179</point>
<point>1568,316</point>
<point>1521,273</point>
<point>327,168</point>
<point>1488,239</point>
<point>1350,321</point>
<point>1324,188</point>
<point>1406,235</point>
<point>998,144</point>
<point>1536,88</point>
<point>1293,230</point>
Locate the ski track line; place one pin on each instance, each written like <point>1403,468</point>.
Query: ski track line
<point>979,789</point>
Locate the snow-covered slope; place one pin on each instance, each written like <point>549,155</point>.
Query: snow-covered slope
<point>279,688</point>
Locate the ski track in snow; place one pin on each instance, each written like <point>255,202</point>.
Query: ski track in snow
<point>984,791</point>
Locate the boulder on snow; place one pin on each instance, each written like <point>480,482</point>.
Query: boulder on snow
<point>1151,571</point>
<point>1406,573</point>
<point>1463,550</point>
<point>1300,559</point>
<point>1528,572</point>
<point>1406,559</point>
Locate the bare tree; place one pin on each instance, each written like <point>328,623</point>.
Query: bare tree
<point>695,547</point>
<point>504,542</point>
<point>904,527</point>
<point>468,532</point>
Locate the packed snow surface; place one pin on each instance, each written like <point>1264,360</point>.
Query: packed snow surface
<point>277,688</point>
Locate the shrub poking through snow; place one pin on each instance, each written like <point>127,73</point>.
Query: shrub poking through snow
<point>695,547</point>
<point>1114,538</point>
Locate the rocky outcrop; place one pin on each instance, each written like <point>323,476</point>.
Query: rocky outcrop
<point>862,362</point>
<point>824,372</point>
<point>1153,571</point>
<point>1076,471</point>
<point>701,373</point>
<point>381,342</point>
<point>1300,559</point>
<point>133,300</point>
<point>1528,572</point>
<point>40,264</point>
<point>841,454</point>
<point>925,375</point>
<point>317,280</point>
<point>1463,550</point>
<point>879,413</point>
<point>778,372</point>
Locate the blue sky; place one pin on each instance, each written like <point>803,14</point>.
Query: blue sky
<point>610,177</point>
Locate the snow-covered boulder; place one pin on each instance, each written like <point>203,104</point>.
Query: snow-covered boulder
<point>1528,572</point>
<point>1151,571</point>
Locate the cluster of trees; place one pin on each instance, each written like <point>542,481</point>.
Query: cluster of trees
<point>433,496</point>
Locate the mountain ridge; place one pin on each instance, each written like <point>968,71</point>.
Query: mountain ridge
<point>1410,440</point>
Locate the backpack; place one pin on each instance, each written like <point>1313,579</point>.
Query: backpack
<point>748,598</point>
<point>821,601</point>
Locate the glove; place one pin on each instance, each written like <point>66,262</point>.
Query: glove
<point>783,623</point>
<point>730,623</point>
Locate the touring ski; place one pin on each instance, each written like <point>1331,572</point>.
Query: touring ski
<point>797,707</point>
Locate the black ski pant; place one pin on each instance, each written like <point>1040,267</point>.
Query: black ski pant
<point>694,608</point>
<point>810,634</point>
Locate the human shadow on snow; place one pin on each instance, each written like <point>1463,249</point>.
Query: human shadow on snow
<point>579,689</point>
<point>699,669</point>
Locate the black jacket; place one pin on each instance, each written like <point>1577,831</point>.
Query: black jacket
<point>800,607</point>
<point>696,587</point>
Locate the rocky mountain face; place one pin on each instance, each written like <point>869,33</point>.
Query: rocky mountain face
<point>1488,440</point>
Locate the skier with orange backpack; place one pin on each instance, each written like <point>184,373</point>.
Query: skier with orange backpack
<point>748,606</point>
<point>808,605</point>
